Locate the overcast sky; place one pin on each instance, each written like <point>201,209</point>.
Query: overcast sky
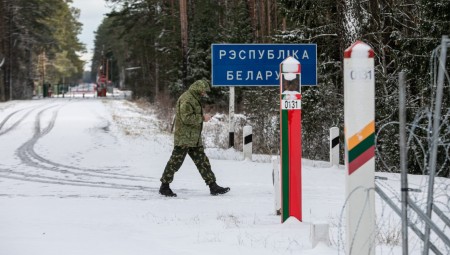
<point>92,13</point>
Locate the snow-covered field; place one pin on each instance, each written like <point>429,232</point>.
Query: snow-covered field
<point>81,176</point>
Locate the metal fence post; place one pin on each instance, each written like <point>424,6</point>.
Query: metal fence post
<point>403,161</point>
<point>435,138</point>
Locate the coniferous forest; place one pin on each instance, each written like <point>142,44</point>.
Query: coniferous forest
<point>38,43</point>
<point>157,48</point>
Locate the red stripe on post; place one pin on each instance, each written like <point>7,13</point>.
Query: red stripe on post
<point>361,160</point>
<point>295,163</point>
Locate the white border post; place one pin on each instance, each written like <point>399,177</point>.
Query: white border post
<point>334,146</point>
<point>231,120</point>
<point>247,142</point>
<point>276,184</point>
<point>359,119</point>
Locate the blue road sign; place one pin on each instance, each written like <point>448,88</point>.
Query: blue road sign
<point>259,64</point>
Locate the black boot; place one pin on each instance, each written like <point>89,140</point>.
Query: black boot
<point>166,191</point>
<point>217,190</point>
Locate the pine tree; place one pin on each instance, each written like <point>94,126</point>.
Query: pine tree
<point>28,29</point>
<point>141,33</point>
<point>322,105</point>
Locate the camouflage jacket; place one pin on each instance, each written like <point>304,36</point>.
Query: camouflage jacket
<point>189,116</point>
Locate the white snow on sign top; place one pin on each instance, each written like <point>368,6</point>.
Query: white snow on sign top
<point>361,50</point>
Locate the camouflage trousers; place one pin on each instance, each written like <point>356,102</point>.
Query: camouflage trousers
<point>197,155</point>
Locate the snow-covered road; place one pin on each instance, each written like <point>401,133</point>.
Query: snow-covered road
<point>81,176</point>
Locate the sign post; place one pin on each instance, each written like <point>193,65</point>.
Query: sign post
<point>291,138</point>
<point>359,120</point>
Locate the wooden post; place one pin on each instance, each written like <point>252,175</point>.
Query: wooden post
<point>184,37</point>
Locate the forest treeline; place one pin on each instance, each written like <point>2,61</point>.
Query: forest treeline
<point>156,48</point>
<point>38,43</point>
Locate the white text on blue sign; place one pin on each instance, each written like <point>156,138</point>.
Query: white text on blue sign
<point>259,64</point>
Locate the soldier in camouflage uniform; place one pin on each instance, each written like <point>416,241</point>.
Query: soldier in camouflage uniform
<point>189,119</point>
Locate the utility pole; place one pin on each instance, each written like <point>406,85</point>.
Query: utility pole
<point>184,36</point>
<point>252,7</point>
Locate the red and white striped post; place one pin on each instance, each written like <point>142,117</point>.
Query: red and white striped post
<point>291,139</point>
<point>359,120</point>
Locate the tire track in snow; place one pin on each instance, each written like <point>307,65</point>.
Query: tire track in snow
<point>29,151</point>
<point>29,157</point>
<point>55,180</point>
<point>15,124</point>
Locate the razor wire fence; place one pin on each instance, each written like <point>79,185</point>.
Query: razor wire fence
<point>413,208</point>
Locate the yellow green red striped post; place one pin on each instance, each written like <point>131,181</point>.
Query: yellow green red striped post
<point>359,121</point>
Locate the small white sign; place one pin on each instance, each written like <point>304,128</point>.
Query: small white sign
<point>291,104</point>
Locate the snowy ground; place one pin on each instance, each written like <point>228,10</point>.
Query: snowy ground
<point>81,176</point>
